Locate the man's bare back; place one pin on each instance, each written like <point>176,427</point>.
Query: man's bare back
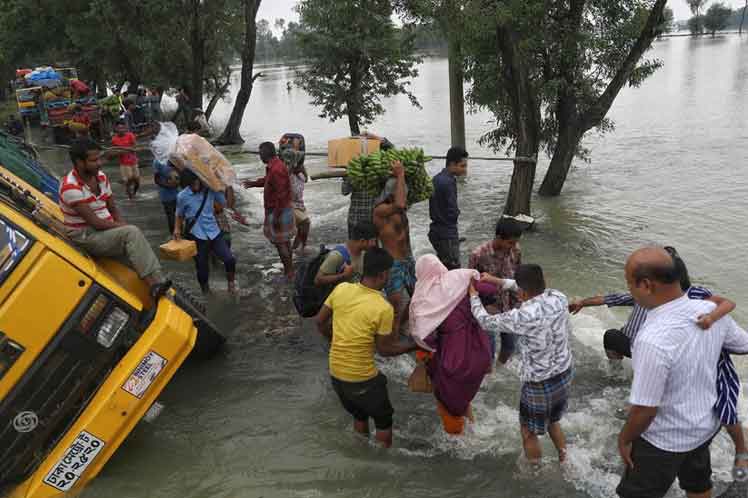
<point>391,219</point>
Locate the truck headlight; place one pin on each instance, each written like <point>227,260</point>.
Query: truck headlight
<point>111,326</point>
<point>104,321</point>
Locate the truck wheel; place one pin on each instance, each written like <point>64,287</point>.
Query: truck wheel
<point>209,339</point>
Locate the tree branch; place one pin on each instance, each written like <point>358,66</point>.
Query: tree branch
<point>597,112</point>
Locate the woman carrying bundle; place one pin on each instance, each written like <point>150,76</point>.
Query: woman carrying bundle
<point>460,351</point>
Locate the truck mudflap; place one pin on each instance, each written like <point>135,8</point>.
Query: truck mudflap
<point>119,404</point>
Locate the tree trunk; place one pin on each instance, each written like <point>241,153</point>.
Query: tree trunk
<point>220,92</point>
<point>526,111</point>
<point>197,44</point>
<point>456,93</point>
<point>353,122</point>
<point>563,155</point>
<point>100,86</point>
<point>742,18</point>
<point>231,135</point>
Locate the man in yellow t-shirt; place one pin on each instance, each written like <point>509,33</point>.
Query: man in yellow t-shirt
<point>358,321</point>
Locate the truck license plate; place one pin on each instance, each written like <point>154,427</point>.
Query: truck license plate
<point>73,464</point>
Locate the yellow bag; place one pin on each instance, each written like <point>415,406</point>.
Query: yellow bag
<point>178,250</point>
<point>419,381</point>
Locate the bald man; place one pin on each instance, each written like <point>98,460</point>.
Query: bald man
<point>672,419</point>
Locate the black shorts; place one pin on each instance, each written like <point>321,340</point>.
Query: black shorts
<point>656,469</point>
<point>367,399</point>
<point>617,341</point>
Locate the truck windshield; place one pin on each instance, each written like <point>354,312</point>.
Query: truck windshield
<point>14,244</point>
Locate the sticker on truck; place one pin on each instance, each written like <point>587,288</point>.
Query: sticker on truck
<point>73,464</point>
<point>144,374</point>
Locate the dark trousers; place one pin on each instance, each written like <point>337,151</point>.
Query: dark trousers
<point>448,251</point>
<point>170,208</point>
<point>655,470</point>
<point>618,342</point>
<point>218,247</point>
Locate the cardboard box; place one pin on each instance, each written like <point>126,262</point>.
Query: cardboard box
<point>341,151</point>
<point>179,250</point>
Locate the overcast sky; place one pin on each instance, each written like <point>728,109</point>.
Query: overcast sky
<point>273,9</point>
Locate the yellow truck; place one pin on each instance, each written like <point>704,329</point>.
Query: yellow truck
<point>84,353</point>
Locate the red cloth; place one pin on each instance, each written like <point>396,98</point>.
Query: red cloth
<point>79,87</point>
<point>127,140</point>
<point>277,185</point>
<point>82,119</point>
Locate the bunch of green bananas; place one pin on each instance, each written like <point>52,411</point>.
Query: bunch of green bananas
<point>369,173</point>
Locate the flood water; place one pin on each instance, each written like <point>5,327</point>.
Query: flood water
<point>262,420</point>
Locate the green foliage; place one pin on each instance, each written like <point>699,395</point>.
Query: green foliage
<point>717,17</point>
<point>696,6</point>
<point>356,57</point>
<point>144,41</point>
<point>271,47</point>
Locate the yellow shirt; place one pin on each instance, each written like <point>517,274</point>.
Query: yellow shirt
<point>359,314</point>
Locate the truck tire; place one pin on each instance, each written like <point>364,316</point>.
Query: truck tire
<point>209,340</point>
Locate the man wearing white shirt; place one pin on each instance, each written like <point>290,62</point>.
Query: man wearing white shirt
<point>672,419</point>
<point>543,329</point>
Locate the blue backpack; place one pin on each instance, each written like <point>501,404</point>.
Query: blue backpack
<point>308,298</point>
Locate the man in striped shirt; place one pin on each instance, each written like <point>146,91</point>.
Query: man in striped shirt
<point>617,342</point>
<point>672,419</point>
<point>94,222</point>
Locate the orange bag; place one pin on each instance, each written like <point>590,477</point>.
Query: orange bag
<point>178,250</point>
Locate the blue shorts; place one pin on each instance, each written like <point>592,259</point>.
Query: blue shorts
<point>402,276</point>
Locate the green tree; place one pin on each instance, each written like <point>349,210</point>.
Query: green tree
<point>742,18</point>
<point>289,42</point>
<point>696,6</point>
<point>268,45</point>
<point>356,57</point>
<point>549,75</point>
<point>696,25</point>
<point>668,21</point>
<point>594,67</point>
<point>716,18</point>
<point>157,42</point>
<point>231,133</point>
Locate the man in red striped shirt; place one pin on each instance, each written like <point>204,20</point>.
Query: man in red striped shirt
<point>94,222</point>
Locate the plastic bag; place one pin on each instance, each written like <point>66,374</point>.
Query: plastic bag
<point>196,154</point>
<point>165,142</point>
<point>212,167</point>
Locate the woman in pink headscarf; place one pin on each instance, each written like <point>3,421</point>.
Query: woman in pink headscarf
<point>441,322</point>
